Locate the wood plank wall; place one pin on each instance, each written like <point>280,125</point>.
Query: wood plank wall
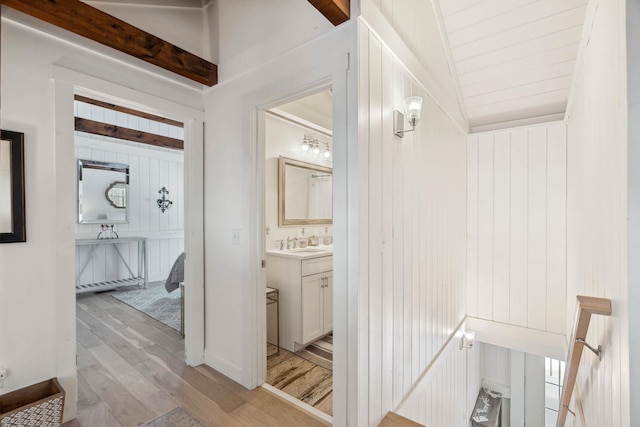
<point>441,397</point>
<point>597,245</point>
<point>516,248</point>
<point>412,220</point>
<point>150,169</point>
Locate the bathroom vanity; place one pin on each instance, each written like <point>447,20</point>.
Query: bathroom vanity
<point>304,278</point>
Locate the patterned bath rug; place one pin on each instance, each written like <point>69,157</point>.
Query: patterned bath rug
<point>154,301</point>
<point>178,417</point>
<point>319,352</point>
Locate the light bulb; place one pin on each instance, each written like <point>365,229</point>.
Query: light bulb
<point>305,145</point>
<point>413,107</point>
<point>316,149</point>
<point>327,153</point>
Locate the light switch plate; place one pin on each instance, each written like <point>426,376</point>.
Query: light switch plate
<point>236,236</point>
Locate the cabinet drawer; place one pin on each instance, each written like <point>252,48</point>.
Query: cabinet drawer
<point>317,265</point>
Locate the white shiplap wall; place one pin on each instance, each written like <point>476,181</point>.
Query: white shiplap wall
<point>149,170</point>
<point>597,259</point>
<point>445,396</point>
<point>516,225</point>
<point>411,28</point>
<point>413,213</point>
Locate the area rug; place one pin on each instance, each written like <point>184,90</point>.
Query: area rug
<point>319,352</point>
<point>178,417</point>
<point>156,302</point>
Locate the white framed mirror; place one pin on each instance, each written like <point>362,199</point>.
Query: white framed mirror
<point>103,192</point>
<point>305,193</point>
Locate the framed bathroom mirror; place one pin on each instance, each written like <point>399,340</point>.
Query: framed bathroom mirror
<point>12,188</point>
<point>305,193</point>
<point>103,192</point>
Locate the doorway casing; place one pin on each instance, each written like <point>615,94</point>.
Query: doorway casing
<point>67,83</point>
<point>256,104</point>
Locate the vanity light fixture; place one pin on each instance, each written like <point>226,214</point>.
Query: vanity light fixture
<point>467,339</point>
<point>327,152</point>
<point>164,203</point>
<point>313,145</point>
<point>412,108</point>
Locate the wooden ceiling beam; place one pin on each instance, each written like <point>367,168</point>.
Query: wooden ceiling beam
<point>89,22</point>
<point>113,131</point>
<point>336,11</point>
<point>126,110</point>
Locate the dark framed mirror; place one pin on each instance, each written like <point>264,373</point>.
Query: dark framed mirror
<point>12,190</point>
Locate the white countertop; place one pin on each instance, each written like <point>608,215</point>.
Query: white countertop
<point>303,253</point>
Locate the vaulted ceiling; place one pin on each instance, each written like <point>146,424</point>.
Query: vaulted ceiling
<point>514,60</point>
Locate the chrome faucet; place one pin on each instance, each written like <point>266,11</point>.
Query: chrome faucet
<point>295,242</point>
<point>281,244</point>
<point>288,243</point>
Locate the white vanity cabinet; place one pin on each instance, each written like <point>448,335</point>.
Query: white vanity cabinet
<point>317,305</point>
<point>305,284</point>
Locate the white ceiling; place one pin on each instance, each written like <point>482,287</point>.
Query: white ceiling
<point>316,109</point>
<point>514,59</point>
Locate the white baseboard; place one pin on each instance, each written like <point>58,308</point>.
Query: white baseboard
<point>225,367</point>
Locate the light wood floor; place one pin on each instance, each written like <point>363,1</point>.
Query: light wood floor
<point>131,370</point>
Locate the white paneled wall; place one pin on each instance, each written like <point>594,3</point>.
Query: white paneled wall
<point>597,259</point>
<point>439,398</point>
<point>413,214</point>
<point>149,170</point>
<point>497,366</point>
<point>516,225</point>
<point>411,26</point>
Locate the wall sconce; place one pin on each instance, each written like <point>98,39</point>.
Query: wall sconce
<point>164,203</point>
<point>467,339</point>
<point>412,108</point>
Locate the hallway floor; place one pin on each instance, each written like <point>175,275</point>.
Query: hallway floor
<point>131,370</point>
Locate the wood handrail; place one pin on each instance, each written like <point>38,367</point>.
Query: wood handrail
<point>586,307</point>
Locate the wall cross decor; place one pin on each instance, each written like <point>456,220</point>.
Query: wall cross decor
<point>164,203</point>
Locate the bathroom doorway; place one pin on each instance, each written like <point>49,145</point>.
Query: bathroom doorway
<point>298,241</point>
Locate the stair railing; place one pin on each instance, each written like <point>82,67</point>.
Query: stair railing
<point>586,307</point>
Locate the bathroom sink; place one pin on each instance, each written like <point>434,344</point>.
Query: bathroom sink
<point>303,253</point>
<point>305,250</point>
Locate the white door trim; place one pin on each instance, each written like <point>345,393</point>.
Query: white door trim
<point>67,82</point>
<point>256,103</point>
